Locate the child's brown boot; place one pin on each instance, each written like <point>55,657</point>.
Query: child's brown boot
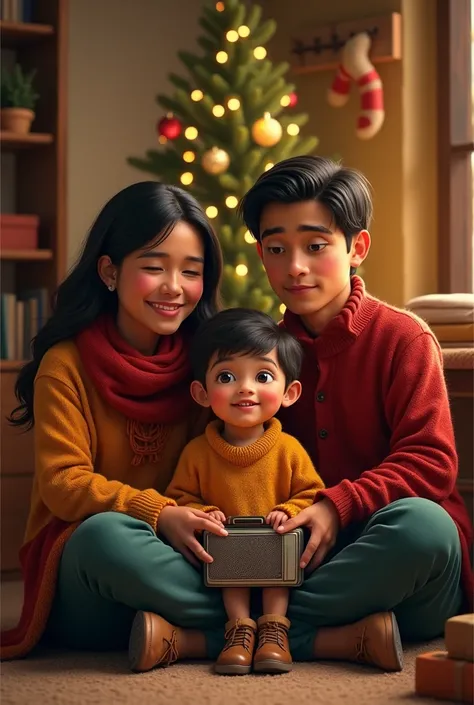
<point>273,651</point>
<point>154,643</point>
<point>235,658</point>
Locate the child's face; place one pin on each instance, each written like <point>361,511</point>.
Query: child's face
<point>305,255</point>
<point>158,289</point>
<point>245,390</point>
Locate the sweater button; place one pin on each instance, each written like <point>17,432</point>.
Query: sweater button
<point>320,396</point>
<point>323,433</point>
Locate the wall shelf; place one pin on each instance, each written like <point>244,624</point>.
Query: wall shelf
<point>26,255</point>
<point>17,34</point>
<point>11,141</point>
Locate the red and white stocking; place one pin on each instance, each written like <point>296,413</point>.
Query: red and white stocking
<point>356,65</point>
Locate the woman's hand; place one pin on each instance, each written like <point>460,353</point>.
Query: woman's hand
<point>323,521</point>
<point>178,525</point>
<point>276,518</point>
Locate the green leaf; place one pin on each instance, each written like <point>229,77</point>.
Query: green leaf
<point>179,82</point>
<point>188,59</point>
<point>264,33</point>
<point>207,44</point>
<point>210,25</point>
<point>253,18</point>
<point>220,85</point>
<point>170,105</point>
<point>241,139</point>
<point>229,182</point>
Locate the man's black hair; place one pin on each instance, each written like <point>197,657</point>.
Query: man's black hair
<point>242,331</point>
<point>343,191</point>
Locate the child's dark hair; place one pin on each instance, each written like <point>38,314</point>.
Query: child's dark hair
<point>344,192</point>
<point>244,331</point>
<point>140,215</point>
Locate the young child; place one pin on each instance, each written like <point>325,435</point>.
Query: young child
<point>246,368</point>
<point>374,416</point>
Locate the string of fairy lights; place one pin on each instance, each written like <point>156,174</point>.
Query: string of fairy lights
<point>266,131</point>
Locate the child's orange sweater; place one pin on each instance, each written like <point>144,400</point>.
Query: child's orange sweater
<point>84,466</point>
<point>273,473</point>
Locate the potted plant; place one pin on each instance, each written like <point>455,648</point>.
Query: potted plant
<point>18,100</point>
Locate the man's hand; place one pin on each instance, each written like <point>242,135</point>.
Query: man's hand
<point>276,518</point>
<point>179,526</point>
<point>322,520</point>
<point>217,516</point>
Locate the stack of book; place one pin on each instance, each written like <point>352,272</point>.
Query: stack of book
<point>21,318</point>
<point>449,675</point>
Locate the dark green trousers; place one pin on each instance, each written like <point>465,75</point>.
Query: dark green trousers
<point>406,558</point>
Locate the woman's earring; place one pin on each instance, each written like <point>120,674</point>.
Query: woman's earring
<point>111,287</point>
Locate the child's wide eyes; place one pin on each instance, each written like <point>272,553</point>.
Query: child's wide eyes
<point>264,377</point>
<point>225,377</point>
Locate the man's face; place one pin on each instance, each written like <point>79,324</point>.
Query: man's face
<point>306,259</point>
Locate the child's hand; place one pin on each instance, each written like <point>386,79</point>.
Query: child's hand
<point>217,516</point>
<point>276,518</point>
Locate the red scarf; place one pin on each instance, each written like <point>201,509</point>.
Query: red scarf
<point>151,391</point>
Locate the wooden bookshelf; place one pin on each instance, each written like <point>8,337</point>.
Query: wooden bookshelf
<point>39,171</point>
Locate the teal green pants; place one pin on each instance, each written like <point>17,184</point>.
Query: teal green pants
<point>406,558</point>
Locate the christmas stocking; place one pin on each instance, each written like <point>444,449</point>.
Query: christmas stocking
<point>356,65</point>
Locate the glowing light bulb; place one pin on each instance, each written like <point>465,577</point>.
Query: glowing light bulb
<point>197,95</point>
<point>221,57</point>
<point>248,237</point>
<point>233,103</point>
<point>260,52</point>
<point>282,308</point>
<point>285,101</point>
<point>232,35</point>
<point>293,129</point>
<point>162,139</point>
<point>241,270</point>
<point>268,165</point>
<point>191,133</point>
<point>218,110</point>
<point>211,212</point>
<point>243,30</point>
<point>231,201</point>
<point>220,7</point>
<point>186,178</point>
<point>189,157</point>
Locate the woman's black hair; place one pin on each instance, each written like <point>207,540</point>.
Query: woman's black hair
<point>140,215</point>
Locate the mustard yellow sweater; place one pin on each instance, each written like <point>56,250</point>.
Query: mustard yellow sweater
<point>82,451</point>
<point>275,472</point>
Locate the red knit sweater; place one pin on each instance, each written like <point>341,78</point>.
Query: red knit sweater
<point>374,413</point>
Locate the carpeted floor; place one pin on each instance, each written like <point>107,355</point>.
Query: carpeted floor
<point>71,678</point>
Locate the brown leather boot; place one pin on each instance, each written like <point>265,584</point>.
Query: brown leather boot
<point>154,642</point>
<point>374,640</point>
<point>235,659</point>
<point>273,651</point>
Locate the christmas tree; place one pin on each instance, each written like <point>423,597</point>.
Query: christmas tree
<point>225,124</point>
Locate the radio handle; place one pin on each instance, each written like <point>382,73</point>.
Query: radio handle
<point>245,521</point>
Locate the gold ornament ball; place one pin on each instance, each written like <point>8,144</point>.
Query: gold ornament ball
<point>267,131</point>
<point>215,161</point>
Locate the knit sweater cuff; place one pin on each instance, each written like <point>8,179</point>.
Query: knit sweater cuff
<point>342,500</point>
<point>289,509</point>
<point>147,506</point>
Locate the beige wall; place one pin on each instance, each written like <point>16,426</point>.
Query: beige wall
<point>399,161</point>
<point>120,54</point>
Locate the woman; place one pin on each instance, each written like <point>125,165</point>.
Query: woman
<point>107,392</point>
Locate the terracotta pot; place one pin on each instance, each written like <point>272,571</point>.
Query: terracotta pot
<point>17,120</point>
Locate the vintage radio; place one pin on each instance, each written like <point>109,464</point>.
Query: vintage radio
<point>253,555</point>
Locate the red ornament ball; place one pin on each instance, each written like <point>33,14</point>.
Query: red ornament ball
<point>293,100</point>
<point>169,127</point>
